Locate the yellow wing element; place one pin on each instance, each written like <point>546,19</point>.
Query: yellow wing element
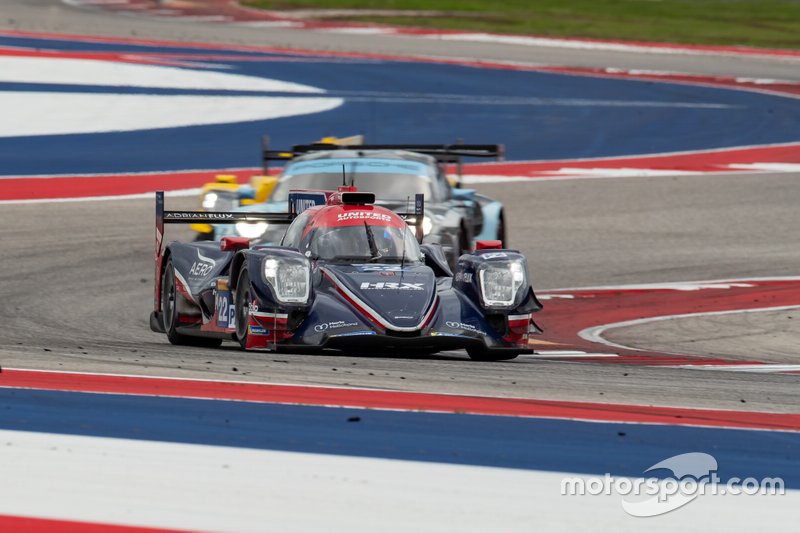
<point>263,186</point>
<point>226,178</point>
<point>353,140</point>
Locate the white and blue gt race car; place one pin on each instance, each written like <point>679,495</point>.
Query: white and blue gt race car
<point>455,217</point>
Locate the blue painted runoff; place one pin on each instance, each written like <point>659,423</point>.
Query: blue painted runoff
<point>510,442</point>
<point>538,116</point>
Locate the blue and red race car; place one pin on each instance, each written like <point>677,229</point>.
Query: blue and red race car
<point>348,275</point>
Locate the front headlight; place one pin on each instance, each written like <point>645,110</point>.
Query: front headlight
<point>219,201</point>
<point>210,200</point>
<point>290,278</point>
<point>251,231</point>
<point>427,225</point>
<point>500,283</point>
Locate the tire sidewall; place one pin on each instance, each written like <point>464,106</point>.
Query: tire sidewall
<point>169,313</point>
<point>243,307</point>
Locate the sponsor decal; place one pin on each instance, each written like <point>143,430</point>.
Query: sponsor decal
<point>466,277</point>
<point>191,216</point>
<point>464,326</point>
<point>354,333</point>
<point>445,334</point>
<point>319,328</point>
<point>257,330</point>
<point>223,309</point>
<point>363,215</point>
<point>253,307</point>
<point>302,201</point>
<point>303,204</point>
<point>202,267</point>
<point>379,268</point>
<point>403,286</point>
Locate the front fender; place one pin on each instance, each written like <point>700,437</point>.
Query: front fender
<point>491,221</point>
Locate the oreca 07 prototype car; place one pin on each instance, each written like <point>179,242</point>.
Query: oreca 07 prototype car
<point>348,275</point>
<point>455,217</point>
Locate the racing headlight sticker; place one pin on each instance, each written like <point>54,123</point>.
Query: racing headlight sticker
<point>501,281</point>
<point>290,278</point>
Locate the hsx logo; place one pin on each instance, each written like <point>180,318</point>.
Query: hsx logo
<point>392,285</point>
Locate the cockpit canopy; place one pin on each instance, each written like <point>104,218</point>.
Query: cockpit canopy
<point>390,178</point>
<point>353,233</point>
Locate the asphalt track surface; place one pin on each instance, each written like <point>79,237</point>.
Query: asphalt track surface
<point>78,288</point>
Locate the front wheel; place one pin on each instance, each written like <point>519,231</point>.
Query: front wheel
<point>462,248</point>
<point>243,300</point>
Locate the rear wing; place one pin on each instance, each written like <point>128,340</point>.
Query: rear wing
<point>209,217</point>
<point>448,153</point>
<point>444,153</point>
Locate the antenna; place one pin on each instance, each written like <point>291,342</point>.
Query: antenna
<point>344,176</point>
<point>403,257</point>
<point>352,174</point>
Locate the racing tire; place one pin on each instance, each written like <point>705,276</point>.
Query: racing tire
<point>463,248</point>
<point>484,354</point>
<point>169,315</point>
<point>501,229</point>
<point>463,243</point>
<point>243,298</point>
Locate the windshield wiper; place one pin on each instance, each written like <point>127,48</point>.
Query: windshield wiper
<point>373,248</point>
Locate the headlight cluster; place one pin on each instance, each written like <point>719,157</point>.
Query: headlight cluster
<point>290,278</point>
<point>501,282</point>
<point>251,231</point>
<point>427,225</point>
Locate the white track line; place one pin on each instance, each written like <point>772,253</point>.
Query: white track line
<point>603,46</point>
<point>670,285</point>
<point>595,333</point>
<point>565,354</point>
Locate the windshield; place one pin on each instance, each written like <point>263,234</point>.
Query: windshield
<point>362,242</point>
<point>389,179</point>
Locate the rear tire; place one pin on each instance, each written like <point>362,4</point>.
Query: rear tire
<point>484,354</point>
<point>243,299</point>
<point>463,248</point>
<point>169,314</point>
